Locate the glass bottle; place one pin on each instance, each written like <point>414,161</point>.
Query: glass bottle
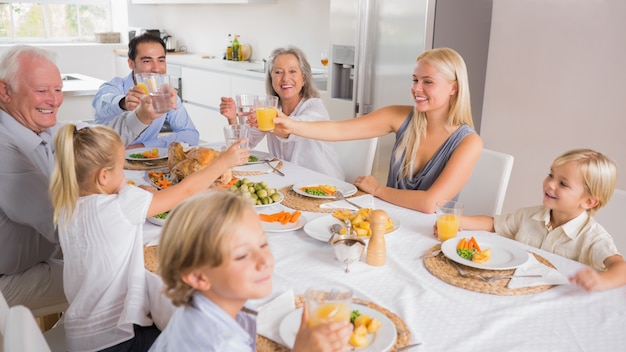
<point>229,48</point>
<point>236,48</point>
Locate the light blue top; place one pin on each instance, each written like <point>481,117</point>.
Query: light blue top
<point>433,168</point>
<point>204,326</point>
<point>107,105</point>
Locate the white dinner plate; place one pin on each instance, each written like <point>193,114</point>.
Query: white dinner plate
<point>504,254</point>
<point>319,228</point>
<point>162,154</point>
<point>346,188</point>
<point>262,156</point>
<point>156,221</point>
<point>382,340</point>
<point>278,227</point>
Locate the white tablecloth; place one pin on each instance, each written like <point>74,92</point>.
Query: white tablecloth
<point>441,316</point>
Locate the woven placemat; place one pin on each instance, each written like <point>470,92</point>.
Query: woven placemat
<point>297,201</point>
<point>145,165</point>
<point>439,266</point>
<point>403,338</point>
<point>150,258</point>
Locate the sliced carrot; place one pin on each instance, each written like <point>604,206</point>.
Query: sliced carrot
<point>475,244</point>
<point>461,244</point>
<point>294,217</point>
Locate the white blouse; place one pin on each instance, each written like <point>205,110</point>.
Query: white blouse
<point>316,155</point>
<point>104,277</point>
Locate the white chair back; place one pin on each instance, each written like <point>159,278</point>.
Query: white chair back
<point>484,192</point>
<point>4,311</point>
<point>22,332</point>
<point>610,217</point>
<point>356,157</point>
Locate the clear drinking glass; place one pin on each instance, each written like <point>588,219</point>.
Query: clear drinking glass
<point>158,87</point>
<point>266,109</point>
<point>328,303</point>
<point>245,106</point>
<point>448,218</point>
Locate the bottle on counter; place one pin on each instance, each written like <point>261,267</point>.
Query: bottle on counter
<point>228,55</point>
<point>236,48</point>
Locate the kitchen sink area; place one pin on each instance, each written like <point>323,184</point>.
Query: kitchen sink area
<point>78,92</point>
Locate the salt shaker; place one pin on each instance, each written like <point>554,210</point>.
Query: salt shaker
<point>376,250</point>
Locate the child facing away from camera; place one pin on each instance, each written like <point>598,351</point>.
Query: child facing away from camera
<point>211,265</point>
<point>580,182</point>
<point>115,304</point>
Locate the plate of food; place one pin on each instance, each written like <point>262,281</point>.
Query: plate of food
<point>382,340</point>
<point>273,225</point>
<point>504,254</point>
<point>319,228</point>
<point>158,219</point>
<point>258,157</point>
<point>324,190</point>
<point>144,154</point>
<point>159,179</point>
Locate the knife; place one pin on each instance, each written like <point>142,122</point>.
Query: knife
<point>273,168</point>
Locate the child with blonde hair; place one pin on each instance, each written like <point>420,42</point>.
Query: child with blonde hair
<point>113,300</point>
<point>580,182</point>
<point>211,265</point>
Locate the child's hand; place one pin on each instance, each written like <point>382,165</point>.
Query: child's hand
<point>331,337</point>
<point>589,280</point>
<point>236,154</point>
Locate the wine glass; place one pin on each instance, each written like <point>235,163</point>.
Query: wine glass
<point>324,60</point>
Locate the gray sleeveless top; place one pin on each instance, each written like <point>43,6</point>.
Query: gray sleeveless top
<point>427,176</point>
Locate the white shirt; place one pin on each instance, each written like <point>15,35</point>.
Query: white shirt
<point>104,276</point>
<point>204,326</point>
<point>316,155</point>
<point>581,239</point>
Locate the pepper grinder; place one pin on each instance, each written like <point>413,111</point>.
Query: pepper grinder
<point>376,249</point>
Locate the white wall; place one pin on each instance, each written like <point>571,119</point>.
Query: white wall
<point>555,81</point>
<point>204,28</point>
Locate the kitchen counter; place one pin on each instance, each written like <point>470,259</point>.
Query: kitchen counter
<point>75,84</point>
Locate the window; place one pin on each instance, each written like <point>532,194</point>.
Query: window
<point>53,20</point>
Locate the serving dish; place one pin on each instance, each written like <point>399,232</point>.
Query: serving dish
<point>319,228</point>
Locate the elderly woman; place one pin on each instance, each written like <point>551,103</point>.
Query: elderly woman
<point>289,77</point>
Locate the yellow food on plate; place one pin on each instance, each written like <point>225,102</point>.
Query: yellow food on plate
<point>374,325</point>
<point>359,337</point>
<point>151,154</point>
<point>482,256</point>
<point>362,319</point>
<point>130,182</point>
<point>360,221</point>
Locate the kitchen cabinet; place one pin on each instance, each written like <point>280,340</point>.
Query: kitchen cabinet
<point>202,1</point>
<point>208,122</point>
<point>244,85</point>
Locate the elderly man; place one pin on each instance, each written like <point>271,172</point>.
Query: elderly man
<point>30,96</point>
<point>146,54</point>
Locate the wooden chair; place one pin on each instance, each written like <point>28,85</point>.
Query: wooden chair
<point>610,217</point>
<point>356,157</point>
<point>484,192</point>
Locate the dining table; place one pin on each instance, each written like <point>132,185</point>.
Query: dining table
<point>439,316</point>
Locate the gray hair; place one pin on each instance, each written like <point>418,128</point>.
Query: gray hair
<point>308,90</point>
<point>10,62</point>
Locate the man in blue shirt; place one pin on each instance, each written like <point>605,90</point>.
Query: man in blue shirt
<point>146,53</point>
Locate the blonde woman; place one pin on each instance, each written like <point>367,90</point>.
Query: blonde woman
<point>211,265</point>
<point>115,304</point>
<point>436,147</point>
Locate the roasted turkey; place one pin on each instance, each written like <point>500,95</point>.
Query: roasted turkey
<point>182,164</point>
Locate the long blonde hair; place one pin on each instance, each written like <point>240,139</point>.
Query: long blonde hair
<point>599,173</point>
<point>452,66</point>
<point>79,155</point>
<point>195,236</point>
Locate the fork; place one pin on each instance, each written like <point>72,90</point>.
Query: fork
<point>490,279</point>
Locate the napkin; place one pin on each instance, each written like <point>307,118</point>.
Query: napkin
<point>533,267</point>
<point>272,313</point>
<point>366,201</point>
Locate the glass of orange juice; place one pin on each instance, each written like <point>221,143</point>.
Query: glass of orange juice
<point>448,218</point>
<point>266,109</point>
<point>328,304</point>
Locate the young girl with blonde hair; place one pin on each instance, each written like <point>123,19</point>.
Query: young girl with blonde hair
<point>211,265</point>
<point>113,300</point>
<point>436,146</point>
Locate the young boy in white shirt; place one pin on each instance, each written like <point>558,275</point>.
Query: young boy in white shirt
<point>580,182</point>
